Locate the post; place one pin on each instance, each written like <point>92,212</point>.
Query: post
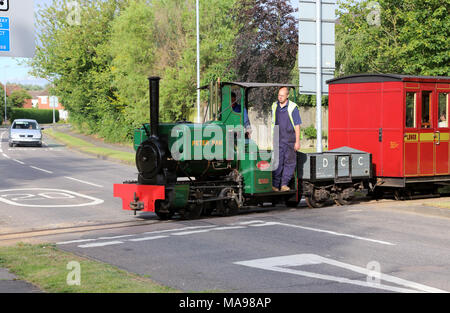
<point>319,75</point>
<point>5,103</point>
<point>198,62</point>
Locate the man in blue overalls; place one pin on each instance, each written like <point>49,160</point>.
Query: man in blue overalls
<point>286,115</point>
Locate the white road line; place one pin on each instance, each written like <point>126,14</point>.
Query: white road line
<point>84,182</point>
<point>207,230</point>
<point>42,170</point>
<point>20,162</point>
<point>326,231</point>
<point>184,231</point>
<point>101,244</point>
<point>282,264</point>
<point>75,241</point>
<point>147,238</point>
<point>6,156</point>
<point>114,237</point>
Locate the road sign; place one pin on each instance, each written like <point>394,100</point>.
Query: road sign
<point>53,102</point>
<point>309,57</point>
<point>17,28</point>
<point>4,34</point>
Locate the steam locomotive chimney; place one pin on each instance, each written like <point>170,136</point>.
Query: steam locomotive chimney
<point>154,105</point>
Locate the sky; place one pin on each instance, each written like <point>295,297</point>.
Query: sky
<point>14,70</point>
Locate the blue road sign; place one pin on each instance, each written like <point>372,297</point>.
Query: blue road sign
<point>4,34</point>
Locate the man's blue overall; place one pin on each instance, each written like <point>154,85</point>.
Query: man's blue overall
<point>287,155</point>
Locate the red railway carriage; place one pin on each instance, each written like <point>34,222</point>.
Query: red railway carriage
<point>402,120</point>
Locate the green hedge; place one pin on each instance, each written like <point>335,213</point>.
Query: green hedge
<point>41,116</point>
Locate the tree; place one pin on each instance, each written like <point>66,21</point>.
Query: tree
<point>267,43</point>
<point>18,97</point>
<point>410,37</point>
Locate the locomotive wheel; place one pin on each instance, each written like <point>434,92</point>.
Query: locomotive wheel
<point>192,212</point>
<point>313,203</point>
<point>229,206</point>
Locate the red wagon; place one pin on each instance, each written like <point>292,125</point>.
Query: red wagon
<point>402,120</point>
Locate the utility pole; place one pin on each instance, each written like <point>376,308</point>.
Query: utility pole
<point>319,75</point>
<point>5,101</point>
<point>198,62</point>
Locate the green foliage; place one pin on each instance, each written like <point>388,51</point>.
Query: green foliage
<point>310,132</point>
<point>40,115</point>
<point>410,38</point>
<point>99,69</point>
<point>18,97</point>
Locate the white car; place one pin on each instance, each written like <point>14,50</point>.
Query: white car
<point>25,132</point>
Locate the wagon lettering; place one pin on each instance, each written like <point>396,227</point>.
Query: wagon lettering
<point>360,162</point>
<point>325,162</point>
<point>411,137</point>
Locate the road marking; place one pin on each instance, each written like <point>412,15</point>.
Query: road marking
<point>325,231</point>
<point>25,195</point>
<point>100,244</point>
<point>207,230</point>
<point>147,238</point>
<point>20,162</point>
<point>75,241</point>
<point>243,225</point>
<point>114,237</point>
<point>84,182</point>
<point>178,229</point>
<point>6,156</point>
<point>282,264</point>
<point>40,169</point>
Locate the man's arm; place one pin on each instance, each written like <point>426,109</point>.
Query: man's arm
<point>297,137</point>
<point>297,123</point>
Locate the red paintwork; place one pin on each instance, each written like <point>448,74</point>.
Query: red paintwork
<point>146,193</point>
<point>358,110</point>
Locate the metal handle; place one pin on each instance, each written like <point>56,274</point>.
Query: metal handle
<point>439,137</point>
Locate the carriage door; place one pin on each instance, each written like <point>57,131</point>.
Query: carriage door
<point>426,132</point>
<point>442,131</point>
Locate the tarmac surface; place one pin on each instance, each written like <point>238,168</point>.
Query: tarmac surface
<point>9,283</point>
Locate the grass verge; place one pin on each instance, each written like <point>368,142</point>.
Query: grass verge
<point>46,267</point>
<point>87,147</point>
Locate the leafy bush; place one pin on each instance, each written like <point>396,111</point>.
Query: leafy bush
<point>310,132</point>
<point>41,116</point>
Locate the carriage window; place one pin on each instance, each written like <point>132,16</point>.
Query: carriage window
<point>426,106</point>
<point>410,109</point>
<point>443,110</point>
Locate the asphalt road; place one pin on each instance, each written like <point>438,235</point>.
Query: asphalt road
<point>338,249</point>
<point>366,247</point>
<point>53,187</point>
